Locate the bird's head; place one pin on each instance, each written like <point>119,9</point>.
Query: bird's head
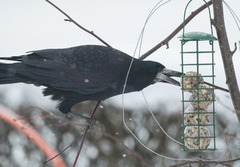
<point>164,75</point>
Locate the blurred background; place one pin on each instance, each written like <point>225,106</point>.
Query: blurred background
<point>28,25</point>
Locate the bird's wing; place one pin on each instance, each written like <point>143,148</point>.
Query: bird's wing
<point>83,71</point>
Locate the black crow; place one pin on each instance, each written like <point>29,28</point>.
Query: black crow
<point>82,73</point>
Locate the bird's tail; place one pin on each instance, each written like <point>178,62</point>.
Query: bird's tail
<point>8,73</point>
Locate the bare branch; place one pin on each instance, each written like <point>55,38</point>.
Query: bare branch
<point>226,53</point>
<point>217,87</point>
<point>73,21</point>
<point>179,28</point>
<point>235,49</point>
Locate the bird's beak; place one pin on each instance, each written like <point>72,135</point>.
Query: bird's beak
<point>165,74</point>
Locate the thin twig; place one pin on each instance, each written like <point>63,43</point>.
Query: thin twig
<point>235,49</point>
<point>61,152</point>
<point>178,29</point>
<point>73,21</point>
<point>217,87</point>
<point>137,155</point>
<point>85,133</point>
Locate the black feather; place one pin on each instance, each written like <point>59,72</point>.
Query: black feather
<point>80,73</point>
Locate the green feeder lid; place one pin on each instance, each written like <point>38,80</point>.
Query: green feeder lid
<point>200,36</point>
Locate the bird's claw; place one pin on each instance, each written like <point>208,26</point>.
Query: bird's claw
<point>90,121</point>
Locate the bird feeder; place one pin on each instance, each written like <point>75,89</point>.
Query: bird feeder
<point>198,107</point>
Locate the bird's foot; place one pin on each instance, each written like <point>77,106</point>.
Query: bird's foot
<point>89,121</point>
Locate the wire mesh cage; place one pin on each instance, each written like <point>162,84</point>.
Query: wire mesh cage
<point>198,101</point>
